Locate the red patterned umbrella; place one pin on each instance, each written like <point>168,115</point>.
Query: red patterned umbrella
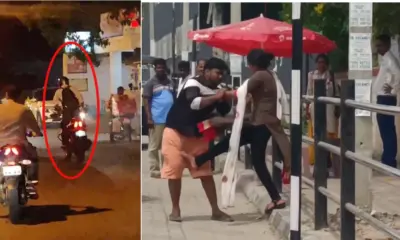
<point>271,35</point>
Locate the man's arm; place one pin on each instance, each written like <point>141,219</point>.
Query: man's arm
<point>395,71</point>
<point>30,121</point>
<point>192,94</point>
<point>58,96</point>
<point>147,95</point>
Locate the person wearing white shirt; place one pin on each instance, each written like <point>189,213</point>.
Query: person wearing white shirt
<point>386,87</point>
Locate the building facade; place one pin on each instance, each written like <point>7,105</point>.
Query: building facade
<point>158,33</point>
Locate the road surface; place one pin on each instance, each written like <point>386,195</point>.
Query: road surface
<point>104,204</point>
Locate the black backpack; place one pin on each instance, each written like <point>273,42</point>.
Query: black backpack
<point>69,100</point>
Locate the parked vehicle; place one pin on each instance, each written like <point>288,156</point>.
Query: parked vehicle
<point>35,103</point>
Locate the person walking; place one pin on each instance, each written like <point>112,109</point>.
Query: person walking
<point>158,97</point>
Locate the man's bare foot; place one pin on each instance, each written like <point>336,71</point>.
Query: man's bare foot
<point>190,159</point>
<point>175,216</point>
<point>221,217</point>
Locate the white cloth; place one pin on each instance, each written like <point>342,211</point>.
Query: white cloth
<point>282,103</point>
<point>229,176</point>
<point>228,187</point>
<point>389,73</point>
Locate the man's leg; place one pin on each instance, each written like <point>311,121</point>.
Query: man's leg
<point>387,129</point>
<point>211,192</point>
<point>221,147</point>
<point>175,186</point>
<point>153,150</point>
<point>195,146</point>
<point>172,170</point>
<point>159,132</point>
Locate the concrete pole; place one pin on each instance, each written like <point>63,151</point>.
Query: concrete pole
<point>363,123</point>
<point>153,51</point>
<point>185,30</point>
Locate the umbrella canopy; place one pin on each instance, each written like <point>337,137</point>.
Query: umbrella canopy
<point>271,35</point>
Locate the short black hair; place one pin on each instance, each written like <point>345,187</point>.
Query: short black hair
<point>216,63</point>
<point>201,59</point>
<point>120,89</point>
<point>65,79</point>
<point>323,57</point>
<point>385,39</point>
<point>259,58</point>
<point>160,61</point>
<point>185,65</point>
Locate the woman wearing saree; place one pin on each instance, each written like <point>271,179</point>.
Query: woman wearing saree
<point>332,90</point>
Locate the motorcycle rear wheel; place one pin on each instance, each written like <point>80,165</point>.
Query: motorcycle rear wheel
<point>14,206</point>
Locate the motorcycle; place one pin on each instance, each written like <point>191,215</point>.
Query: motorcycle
<point>15,189</point>
<point>78,140</point>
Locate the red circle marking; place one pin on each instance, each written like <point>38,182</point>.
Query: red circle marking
<point>96,134</point>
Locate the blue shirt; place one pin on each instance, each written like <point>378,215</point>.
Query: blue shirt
<point>161,97</point>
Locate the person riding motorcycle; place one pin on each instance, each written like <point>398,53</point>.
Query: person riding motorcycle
<point>15,121</point>
<point>122,107</point>
<point>70,100</point>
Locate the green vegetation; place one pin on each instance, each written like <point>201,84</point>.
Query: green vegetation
<point>55,20</point>
<point>332,21</point>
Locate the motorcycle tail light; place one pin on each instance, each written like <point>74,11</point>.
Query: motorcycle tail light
<point>78,124</point>
<point>10,150</point>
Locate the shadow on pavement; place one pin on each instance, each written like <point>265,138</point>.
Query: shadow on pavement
<point>34,215</point>
<point>149,199</point>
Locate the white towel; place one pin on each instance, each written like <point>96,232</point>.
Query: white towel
<point>229,176</point>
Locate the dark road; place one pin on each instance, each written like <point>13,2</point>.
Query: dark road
<point>103,204</point>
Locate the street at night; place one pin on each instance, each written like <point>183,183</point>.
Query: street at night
<point>103,204</point>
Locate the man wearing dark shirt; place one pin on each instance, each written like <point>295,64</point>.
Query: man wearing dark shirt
<point>195,103</point>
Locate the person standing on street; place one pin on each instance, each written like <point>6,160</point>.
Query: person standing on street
<point>263,124</point>
<point>158,97</point>
<point>196,102</point>
<point>184,73</point>
<point>385,88</point>
<point>200,67</point>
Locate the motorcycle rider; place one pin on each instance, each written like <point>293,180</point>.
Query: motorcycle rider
<point>70,99</point>
<point>15,120</point>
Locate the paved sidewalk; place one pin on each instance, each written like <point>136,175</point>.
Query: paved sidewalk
<point>385,206</point>
<point>196,225</point>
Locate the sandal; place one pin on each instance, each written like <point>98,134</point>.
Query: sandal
<point>275,205</point>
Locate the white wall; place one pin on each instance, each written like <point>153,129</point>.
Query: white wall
<point>103,78</point>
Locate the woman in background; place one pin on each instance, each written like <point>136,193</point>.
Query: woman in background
<point>332,90</point>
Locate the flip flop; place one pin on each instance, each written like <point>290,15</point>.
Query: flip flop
<point>275,205</point>
<point>174,218</point>
<point>222,218</point>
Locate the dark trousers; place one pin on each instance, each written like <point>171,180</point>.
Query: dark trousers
<point>387,129</point>
<point>67,116</point>
<point>257,137</point>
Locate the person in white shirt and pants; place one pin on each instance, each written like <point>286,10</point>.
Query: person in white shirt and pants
<point>386,87</point>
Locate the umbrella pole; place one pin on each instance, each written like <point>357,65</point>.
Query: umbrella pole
<point>296,123</point>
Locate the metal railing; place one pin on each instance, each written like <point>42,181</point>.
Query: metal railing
<point>346,151</point>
